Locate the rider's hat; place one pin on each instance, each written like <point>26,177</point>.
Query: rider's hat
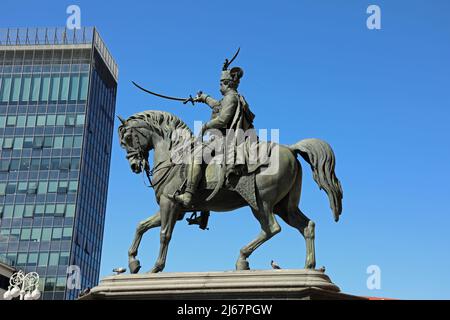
<point>234,74</point>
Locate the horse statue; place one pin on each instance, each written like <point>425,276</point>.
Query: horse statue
<point>276,194</point>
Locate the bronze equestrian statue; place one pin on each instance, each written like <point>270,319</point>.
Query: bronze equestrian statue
<point>270,187</point>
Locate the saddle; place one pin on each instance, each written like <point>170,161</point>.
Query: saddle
<point>214,177</point>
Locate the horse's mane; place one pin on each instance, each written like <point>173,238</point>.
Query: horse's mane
<point>163,123</point>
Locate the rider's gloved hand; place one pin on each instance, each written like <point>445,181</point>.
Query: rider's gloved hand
<point>201,97</point>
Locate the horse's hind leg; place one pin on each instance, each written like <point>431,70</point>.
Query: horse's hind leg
<point>295,218</point>
<point>143,226</point>
<point>269,228</point>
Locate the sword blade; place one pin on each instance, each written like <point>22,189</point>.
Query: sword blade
<point>158,94</point>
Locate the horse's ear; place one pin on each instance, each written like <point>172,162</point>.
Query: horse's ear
<point>121,120</point>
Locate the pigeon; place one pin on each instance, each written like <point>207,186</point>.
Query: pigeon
<point>274,265</point>
<point>322,269</point>
<point>84,292</point>
<point>119,270</point>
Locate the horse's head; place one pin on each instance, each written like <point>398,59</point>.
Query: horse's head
<point>135,138</point>
<point>149,130</point>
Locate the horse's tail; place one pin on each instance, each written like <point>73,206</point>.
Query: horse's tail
<point>321,157</point>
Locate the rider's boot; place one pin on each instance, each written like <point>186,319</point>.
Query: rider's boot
<point>193,178</point>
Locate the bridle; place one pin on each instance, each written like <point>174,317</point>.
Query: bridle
<point>142,157</point>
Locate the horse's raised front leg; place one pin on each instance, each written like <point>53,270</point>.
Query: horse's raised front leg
<point>269,228</point>
<point>169,211</point>
<point>143,227</point>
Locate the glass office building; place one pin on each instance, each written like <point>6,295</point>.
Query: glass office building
<point>57,103</point>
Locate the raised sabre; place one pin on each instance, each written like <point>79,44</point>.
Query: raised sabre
<point>184,100</point>
<point>227,63</point>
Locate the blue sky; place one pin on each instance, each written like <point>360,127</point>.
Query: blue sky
<point>312,69</point>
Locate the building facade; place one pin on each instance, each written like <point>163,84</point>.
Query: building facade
<point>57,104</point>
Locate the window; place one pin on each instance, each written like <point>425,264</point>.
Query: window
<point>45,88</point>
<point>74,85</point>
<point>10,188</point>
<point>68,142</point>
<point>25,164</point>
<point>73,186</point>
<point>32,259</point>
<point>43,259</point>
<point>29,209</point>
<point>80,120</point>
<point>55,88</point>
<point>46,234</point>
<point>32,187</point>
<point>61,281</point>
<point>84,82</point>
<point>15,92</point>
<point>35,164</point>
<point>70,210</point>
<point>22,187</point>
<point>18,211</point>
<point>60,119</point>
<point>63,187</point>
<point>45,164</point>
<point>35,83</point>
<point>67,234</point>
<point>25,234</point>
<point>58,142</point>
<point>60,208</point>
<point>6,88</point>
<point>39,210</point>
<point>65,88</point>
<point>2,189</point>
<point>4,165</point>
<point>11,121</point>
<point>42,189</point>
<point>50,210</point>
<point>77,141</point>
<point>38,142</point>
<point>65,164</point>
<point>36,234</point>
<point>52,186</point>
<point>48,142</point>
<point>51,119</point>
<point>28,142</point>
<point>2,121</point>
<point>18,143</point>
<point>50,282</point>
<point>21,259</point>
<point>75,164</point>
<point>54,259</point>
<point>40,121</point>
<point>21,121</point>
<point>31,121</point>
<point>26,88</point>
<point>54,164</point>
<point>8,143</point>
<point>57,234</point>
<point>70,120</point>
<point>15,164</point>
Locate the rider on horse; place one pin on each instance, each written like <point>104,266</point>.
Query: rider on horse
<point>231,112</point>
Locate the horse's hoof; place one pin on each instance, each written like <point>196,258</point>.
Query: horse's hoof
<point>242,265</point>
<point>310,265</point>
<point>134,266</point>
<point>155,270</point>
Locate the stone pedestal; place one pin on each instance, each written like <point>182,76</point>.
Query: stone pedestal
<point>251,284</point>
